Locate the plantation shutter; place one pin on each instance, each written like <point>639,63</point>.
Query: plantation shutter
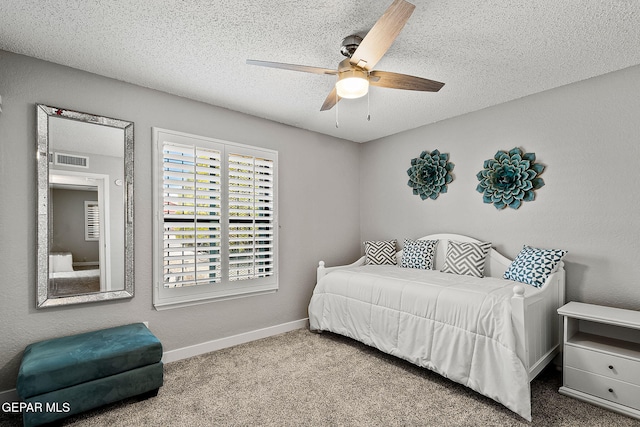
<point>91,221</point>
<point>215,222</point>
<point>192,215</point>
<point>251,217</point>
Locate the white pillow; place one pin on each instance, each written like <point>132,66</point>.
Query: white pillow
<point>60,262</point>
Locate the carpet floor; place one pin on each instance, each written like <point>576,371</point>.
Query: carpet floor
<point>304,379</point>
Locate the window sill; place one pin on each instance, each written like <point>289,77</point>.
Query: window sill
<point>168,305</point>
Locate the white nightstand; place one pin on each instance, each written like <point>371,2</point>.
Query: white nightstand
<point>602,356</point>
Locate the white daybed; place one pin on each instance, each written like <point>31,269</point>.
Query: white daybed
<point>64,280</point>
<point>490,334</point>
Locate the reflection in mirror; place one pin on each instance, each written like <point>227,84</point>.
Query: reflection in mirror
<point>78,263</point>
<point>85,212</point>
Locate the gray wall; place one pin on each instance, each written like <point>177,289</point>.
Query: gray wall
<point>588,136</point>
<point>311,226</point>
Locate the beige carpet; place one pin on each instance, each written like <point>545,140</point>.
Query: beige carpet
<point>305,379</point>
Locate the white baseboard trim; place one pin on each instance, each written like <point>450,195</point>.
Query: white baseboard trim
<point>219,344</point>
<point>9,396</point>
<point>205,347</point>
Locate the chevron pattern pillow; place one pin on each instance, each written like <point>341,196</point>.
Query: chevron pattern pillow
<point>418,254</point>
<point>466,258</point>
<point>380,252</point>
<point>532,265</point>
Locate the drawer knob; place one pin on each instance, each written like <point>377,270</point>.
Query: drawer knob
<point>610,366</point>
<point>610,390</point>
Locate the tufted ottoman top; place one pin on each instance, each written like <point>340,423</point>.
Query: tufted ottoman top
<point>63,362</point>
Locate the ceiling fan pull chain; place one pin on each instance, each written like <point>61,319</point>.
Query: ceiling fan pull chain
<point>337,111</point>
<point>368,110</point>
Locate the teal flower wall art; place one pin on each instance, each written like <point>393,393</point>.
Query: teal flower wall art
<point>430,174</point>
<point>510,178</point>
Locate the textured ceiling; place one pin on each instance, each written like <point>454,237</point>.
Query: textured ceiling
<point>487,52</point>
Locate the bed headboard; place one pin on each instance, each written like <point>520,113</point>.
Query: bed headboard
<point>495,264</point>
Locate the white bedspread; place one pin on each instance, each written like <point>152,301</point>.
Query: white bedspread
<point>457,326</point>
<point>76,274</point>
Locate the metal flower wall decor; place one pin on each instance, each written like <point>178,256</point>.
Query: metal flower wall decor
<point>430,174</point>
<point>510,178</point>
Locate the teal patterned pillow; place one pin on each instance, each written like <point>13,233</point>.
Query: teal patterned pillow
<point>532,265</point>
<point>418,254</point>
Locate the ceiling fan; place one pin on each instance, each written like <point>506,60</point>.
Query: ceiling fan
<point>355,73</point>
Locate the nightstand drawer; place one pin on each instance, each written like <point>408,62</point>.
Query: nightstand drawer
<point>615,367</point>
<point>603,387</point>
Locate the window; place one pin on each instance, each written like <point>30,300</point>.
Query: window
<point>91,221</point>
<point>251,232</point>
<point>215,222</point>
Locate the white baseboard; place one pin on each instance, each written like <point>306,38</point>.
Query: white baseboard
<point>9,396</point>
<point>205,347</point>
<point>219,344</point>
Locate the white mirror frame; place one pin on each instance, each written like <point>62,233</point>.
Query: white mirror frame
<point>44,113</point>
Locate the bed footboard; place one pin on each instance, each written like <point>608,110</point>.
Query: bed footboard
<point>536,322</point>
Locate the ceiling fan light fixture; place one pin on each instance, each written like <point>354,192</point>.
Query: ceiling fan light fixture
<point>352,84</point>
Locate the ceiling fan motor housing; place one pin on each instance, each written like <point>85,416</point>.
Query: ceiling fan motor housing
<point>350,44</point>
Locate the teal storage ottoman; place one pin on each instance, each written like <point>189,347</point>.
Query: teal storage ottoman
<point>65,376</point>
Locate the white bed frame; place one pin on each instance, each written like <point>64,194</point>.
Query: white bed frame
<point>536,323</point>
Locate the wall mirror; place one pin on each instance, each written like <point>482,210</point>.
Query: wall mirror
<point>85,207</point>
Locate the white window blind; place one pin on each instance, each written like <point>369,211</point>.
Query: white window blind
<point>250,217</point>
<point>91,221</point>
<point>192,213</point>
<point>216,219</point>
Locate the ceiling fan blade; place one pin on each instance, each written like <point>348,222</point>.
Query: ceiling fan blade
<point>292,67</point>
<point>381,36</point>
<point>332,99</point>
<point>403,81</point>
